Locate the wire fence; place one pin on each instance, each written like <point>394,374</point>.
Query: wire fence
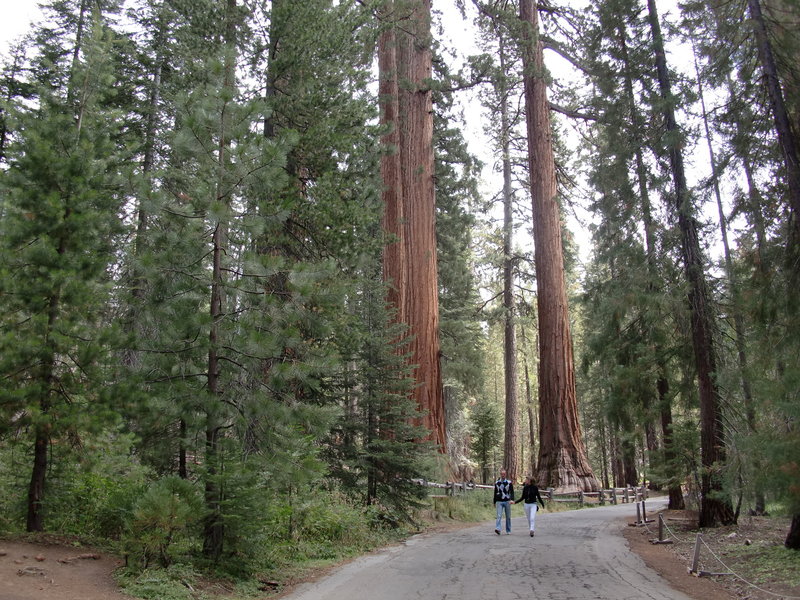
<point>641,520</point>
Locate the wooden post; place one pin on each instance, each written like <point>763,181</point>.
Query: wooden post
<point>661,539</point>
<point>614,495</point>
<point>696,557</point>
<point>644,514</point>
<point>550,493</point>
<point>626,497</point>
<point>580,498</point>
<point>601,497</point>
<point>638,522</point>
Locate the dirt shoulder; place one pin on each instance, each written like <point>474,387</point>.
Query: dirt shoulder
<point>723,549</point>
<point>50,570</point>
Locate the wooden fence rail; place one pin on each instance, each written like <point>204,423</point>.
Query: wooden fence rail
<point>612,495</point>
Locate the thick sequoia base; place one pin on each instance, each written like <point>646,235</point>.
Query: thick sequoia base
<point>715,512</point>
<point>676,501</point>
<point>565,472</point>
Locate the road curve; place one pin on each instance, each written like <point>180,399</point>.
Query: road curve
<point>575,555</point>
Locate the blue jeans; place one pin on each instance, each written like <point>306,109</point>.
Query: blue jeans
<point>503,507</point>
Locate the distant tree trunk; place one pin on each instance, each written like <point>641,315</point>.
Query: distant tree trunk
<point>733,286</point>
<point>617,466</point>
<point>786,137</point>
<point>629,462</point>
<point>604,444</point>
<point>511,445</point>
<point>183,471</point>
<point>674,488</point>
<point>532,423</point>
<point>562,463</point>
<point>714,509</point>
<point>651,444</point>
<point>214,526</point>
<point>419,300</point>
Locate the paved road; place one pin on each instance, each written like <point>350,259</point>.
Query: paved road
<point>575,555</point>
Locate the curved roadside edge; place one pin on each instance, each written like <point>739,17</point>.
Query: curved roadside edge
<point>668,565</point>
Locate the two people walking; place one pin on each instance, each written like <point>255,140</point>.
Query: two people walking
<point>504,498</point>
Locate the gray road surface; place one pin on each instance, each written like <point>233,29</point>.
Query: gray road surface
<point>575,555</point>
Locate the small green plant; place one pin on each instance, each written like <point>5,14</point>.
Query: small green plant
<point>161,520</point>
<point>769,564</point>
<point>160,584</point>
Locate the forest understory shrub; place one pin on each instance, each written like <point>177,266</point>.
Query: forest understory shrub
<point>292,539</point>
<point>92,487</point>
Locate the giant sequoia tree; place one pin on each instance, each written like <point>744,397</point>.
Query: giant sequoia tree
<point>410,265</point>
<point>563,463</point>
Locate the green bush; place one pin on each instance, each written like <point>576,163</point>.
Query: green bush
<point>161,521</point>
<point>91,486</point>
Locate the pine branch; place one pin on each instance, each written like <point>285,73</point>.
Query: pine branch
<point>574,113</point>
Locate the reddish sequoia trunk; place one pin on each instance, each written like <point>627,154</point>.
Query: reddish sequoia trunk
<point>562,455</point>
<point>394,259</point>
<point>415,281</point>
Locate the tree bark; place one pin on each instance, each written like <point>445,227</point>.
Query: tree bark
<point>714,509</point>
<point>395,270</point>
<point>418,305</point>
<point>562,462</point>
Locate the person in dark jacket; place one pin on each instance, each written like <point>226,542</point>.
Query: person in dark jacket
<point>532,500</point>
<point>503,498</point>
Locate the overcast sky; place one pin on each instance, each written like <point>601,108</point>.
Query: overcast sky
<point>17,16</point>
